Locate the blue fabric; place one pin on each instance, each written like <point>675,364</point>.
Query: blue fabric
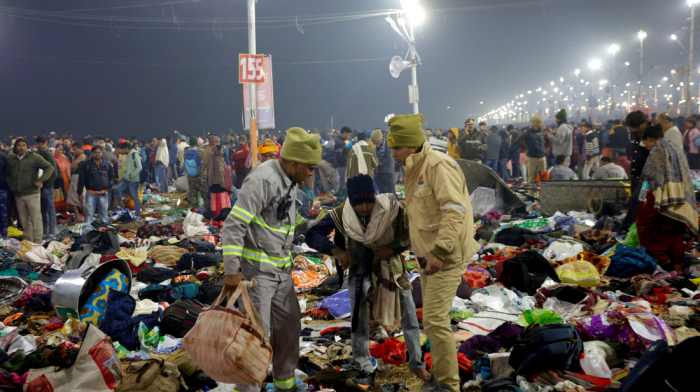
<point>119,324</point>
<point>337,304</point>
<point>317,236</point>
<point>48,211</point>
<point>192,162</point>
<point>627,262</point>
<point>493,164</point>
<point>99,202</point>
<point>503,169</point>
<point>4,211</point>
<point>131,189</point>
<point>361,189</point>
<point>162,177</point>
<point>172,153</point>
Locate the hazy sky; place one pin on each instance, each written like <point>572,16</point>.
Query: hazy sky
<point>77,79</point>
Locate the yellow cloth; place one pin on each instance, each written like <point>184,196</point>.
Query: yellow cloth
<point>122,167</point>
<point>135,257</point>
<point>453,150</point>
<point>267,148</point>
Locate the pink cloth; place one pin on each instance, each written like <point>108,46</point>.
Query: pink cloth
<point>689,138</point>
<point>219,201</point>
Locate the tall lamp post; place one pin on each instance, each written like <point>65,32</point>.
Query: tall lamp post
<point>614,48</point>
<point>577,72</point>
<point>592,66</point>
<point>415,15</point>
<point>641,35</point>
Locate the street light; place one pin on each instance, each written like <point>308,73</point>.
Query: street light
<point>614,48</point>
<point>641,35</point>
<point>415,15</point>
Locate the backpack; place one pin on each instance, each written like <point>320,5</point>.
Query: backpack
<point>665,369</point>
<point>199,260</point>
<point>526,272</point>
<point>203,246</point>
<point>180,317</point>
<point>210,291</point>
<point>151,375</point>
<point>545,347</point>
<point>188,290</point>
<point>627,261</point>
<point>192,162</point>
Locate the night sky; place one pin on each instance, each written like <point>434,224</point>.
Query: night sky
<point>82,80</point>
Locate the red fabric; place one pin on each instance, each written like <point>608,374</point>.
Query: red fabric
<point>106,258</point>
<point>392,351</point>
<point>464,363</point>
<point>476,279</point>
<point>53,326</point>
<point>329,330</point>
<point>419,313</point>
<point>624,163</point>
<point>239,157</point>
<point>660,235</point>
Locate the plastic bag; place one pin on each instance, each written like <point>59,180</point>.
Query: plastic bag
<point>541,316</point>
<point>632,237</point>
<point>608,350</point>
<point>483,200</point>
<point>148,339</point>
<point>564,309</point>
<point>579,272</point>
<point>593,363</point>
<point>499,298</point>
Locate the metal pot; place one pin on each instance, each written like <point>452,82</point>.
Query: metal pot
<point>74,288</point>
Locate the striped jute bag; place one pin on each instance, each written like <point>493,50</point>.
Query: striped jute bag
<point>230,346</point>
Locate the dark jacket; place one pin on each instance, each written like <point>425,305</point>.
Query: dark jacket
<point>172,153</point>
<point>386,161</point>
<point>341,153</point>
<point>504,152</point>
<point>96,177</point>
<point>494,142</point>
<point>639,155</point>
<point>619,137</point>
<point>532,141</point>
<point>51,182</point>
<point>21,174</point>
<point>3,170</point>
<point>470,145</point>
<point>514,149</point>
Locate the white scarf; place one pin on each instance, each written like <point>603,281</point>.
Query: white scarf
<point>361,164</point>
<point>379,231</point>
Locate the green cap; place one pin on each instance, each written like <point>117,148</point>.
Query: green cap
<point>301,147</point>
<point>193,141</point>
<point>536,120</point>
<point>561,115</point>
<point>406,131</point>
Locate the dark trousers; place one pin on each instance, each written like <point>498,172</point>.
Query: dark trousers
<point>631,217</point>
<point>515,160</point>
<point>385,183</point>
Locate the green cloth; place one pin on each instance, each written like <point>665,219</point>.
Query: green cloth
<point>535,120</point>
<point>561,115</point>
<point>46,154</point>
<point>406,131</point>
<point>371,160</point>
<point>9,272</point>
<point>21,363</point>
<point>301,147</point>
<point>21,174</point>
<point>32,276</point>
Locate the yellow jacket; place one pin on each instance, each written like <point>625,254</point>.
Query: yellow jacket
<point>438,207</point>
<point>453,150</point>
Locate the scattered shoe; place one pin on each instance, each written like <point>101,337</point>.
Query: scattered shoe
<point>362,382</point>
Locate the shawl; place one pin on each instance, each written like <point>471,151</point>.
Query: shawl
<point>359,154</point>
<point>379,230</point>
<point>669,179</point>
<point>62,161</point>
<point>218,174</point>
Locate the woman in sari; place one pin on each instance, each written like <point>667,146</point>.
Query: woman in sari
<point>670,204</point>
<point>63,165</point>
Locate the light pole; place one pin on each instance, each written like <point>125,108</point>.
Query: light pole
<point>592,66</point>
<point>415,15</point>
<point>641,35</point>
<point>613,49</point>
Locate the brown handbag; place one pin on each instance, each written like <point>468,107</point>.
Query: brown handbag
<point>229,346</point>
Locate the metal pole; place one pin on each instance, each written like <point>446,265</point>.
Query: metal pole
<point>252,87</point>
<point>612,90</point>
<point>641,71</point>
<point>413,71</point>
<point>690,61</point>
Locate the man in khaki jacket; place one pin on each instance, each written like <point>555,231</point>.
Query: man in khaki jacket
<point>440,229</point>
